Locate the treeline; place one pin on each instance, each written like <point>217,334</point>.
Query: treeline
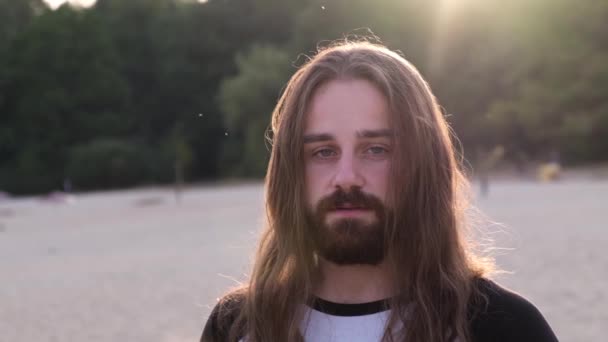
<point>127,92</point>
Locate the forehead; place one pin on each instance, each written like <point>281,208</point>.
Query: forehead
<point>346,106</point>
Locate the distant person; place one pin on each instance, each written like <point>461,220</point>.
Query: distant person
<point>364,237</point>
<point>486,164</point>
<point>482,174</point>
<point>551,170</point>
<point>67,185</point>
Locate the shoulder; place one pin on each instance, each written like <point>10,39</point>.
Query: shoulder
<point>222,317</point>
<point>502,315</point>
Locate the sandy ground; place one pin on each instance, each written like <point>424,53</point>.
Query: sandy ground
<point>136,266</point>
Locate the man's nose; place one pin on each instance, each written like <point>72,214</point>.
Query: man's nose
<point>348,174</point>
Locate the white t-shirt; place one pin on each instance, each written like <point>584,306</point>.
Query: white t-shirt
<point>346,322</point>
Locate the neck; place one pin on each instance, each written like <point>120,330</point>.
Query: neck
<point>352,284</point>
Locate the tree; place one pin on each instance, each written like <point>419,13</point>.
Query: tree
<point>558,100</point>
<point>58,94</point>
<point>247,100</point>
<point>16,16</point>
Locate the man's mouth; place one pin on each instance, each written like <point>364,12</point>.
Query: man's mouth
<point>349,207</point>
<point>349,211</point>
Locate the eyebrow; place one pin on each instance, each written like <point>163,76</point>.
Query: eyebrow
<point>366,133</point>
<point>379,133</point>
<point>311,138</point>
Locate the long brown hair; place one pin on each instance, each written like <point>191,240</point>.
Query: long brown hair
<point>426,244</point>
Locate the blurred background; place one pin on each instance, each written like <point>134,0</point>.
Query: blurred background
<point>132,148</point>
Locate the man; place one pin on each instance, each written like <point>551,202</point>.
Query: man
<point>365,237</point>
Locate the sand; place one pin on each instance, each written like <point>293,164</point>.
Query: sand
<point>137,266</point>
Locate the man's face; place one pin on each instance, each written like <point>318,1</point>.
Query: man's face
<point>347,148</point>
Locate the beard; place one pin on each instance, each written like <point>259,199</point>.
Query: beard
<point>349,241</point>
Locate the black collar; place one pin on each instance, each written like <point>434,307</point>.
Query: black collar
<point>359,309</point>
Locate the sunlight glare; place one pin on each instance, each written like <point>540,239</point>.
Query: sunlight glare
<point>54,4</point>
<point>445,11</point>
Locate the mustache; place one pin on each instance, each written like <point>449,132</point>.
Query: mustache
<point>354,198</point>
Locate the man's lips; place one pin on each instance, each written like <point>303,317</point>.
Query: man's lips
<point>349,206</point>
<point>349,209</point>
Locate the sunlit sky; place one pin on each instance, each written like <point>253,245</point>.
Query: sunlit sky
<point>86,3</point>
<point>57,3</point>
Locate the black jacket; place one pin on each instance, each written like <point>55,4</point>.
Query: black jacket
<point>507,317</point>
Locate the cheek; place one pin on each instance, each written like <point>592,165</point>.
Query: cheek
<point>315,178</point>
<point>377,176</point>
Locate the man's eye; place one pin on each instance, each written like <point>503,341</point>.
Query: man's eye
<point>377,150</point>
<point>324,153</point>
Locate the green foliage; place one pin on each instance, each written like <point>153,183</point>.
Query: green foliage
<point>58,93</point>
<point>404,25</point>
<point>15,16</point>
<point>558,99</point>
<point>29,171</point>
<point>247,100</point>
<point>110,163</point>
